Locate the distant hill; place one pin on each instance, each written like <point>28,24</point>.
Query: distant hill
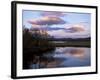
<point>69,39</point>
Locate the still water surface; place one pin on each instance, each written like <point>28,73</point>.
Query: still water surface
<point>64,57</point>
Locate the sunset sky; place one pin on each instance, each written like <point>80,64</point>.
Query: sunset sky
<point>59,24</point>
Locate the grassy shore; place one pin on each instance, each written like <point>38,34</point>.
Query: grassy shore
<point>73,44</point>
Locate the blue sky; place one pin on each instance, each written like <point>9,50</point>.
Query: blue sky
<point>77,25</point>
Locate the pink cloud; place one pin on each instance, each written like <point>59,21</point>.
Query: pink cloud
<point>64,34</point>
<point>47,21</point>
<point>75,29</point>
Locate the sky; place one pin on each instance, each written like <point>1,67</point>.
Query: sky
<point>59,24</point>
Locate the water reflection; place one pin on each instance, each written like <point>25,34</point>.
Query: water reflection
<point>75,52</point>
<point>62,57</point>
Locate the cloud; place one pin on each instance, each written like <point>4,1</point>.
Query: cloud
<point>52,13</point>
<point>68,28</point>
<point>34,26</point>
<point>47,21</point>
<point>76,28</point>
<point>64,34</point>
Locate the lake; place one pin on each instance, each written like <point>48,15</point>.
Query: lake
<point>63,57</point>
